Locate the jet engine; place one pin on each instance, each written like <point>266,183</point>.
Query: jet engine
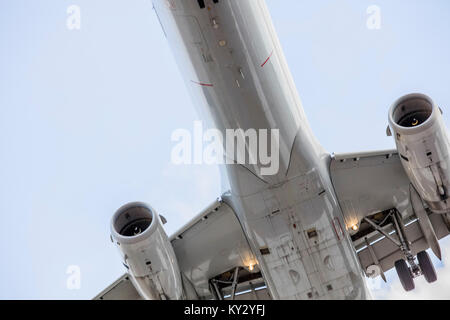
<point>422,142</point>
<point>147,253</point>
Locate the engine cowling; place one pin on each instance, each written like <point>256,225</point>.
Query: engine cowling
<point>422,142</point>
<point>137,231</point>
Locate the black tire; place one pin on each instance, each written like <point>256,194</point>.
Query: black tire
<point>427,266</point>
<point>405,275</point>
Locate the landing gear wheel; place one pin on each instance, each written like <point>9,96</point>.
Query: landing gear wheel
<point>427,266</point>
<point>405,275</point>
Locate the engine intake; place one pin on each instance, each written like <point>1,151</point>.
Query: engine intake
<point>133,221</point>
<point>412,111</point>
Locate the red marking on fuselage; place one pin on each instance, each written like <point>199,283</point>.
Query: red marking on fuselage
<point>170,4</point>
<point>203,84</point>
<point>336,230</point>
<point>267,60</point>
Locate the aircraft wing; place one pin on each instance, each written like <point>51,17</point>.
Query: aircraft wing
<point>372,185</point>
<point>214,258</point>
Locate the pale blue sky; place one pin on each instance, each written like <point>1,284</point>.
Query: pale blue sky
<point>86,119</point>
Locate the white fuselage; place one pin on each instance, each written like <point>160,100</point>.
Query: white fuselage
<point>234,67</point>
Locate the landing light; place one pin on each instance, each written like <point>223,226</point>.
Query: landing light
<point>354,227</point>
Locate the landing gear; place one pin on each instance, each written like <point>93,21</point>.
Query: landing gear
<point>427,267</point>
<point>409,267</point>
<point>405,275</point>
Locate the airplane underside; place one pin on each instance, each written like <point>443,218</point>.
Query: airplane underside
<point>318,226</point>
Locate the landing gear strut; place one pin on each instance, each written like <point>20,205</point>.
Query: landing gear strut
<point>405,273</point>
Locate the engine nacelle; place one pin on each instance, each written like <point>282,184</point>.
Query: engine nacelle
<point>137,231</point>
<point>422,142</point>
